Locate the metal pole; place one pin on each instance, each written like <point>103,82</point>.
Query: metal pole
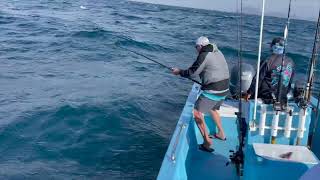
<point>258,64</point>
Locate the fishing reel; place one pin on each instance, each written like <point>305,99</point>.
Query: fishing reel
<point>240,83</point>
<point>237,158</point>
<point>279,105</point>
<point>298,94</point>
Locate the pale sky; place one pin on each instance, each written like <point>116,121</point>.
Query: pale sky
<point>300,9</point>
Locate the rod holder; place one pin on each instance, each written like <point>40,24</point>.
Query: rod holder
<point>302,122</point>
<point>275,122</point>
<point>262,122</point>
<point>288,124</point>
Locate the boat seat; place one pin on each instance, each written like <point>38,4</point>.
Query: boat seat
<point>300,154</point>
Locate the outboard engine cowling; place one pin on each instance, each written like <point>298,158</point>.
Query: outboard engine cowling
<point>247,75</point>
<point>298,93</point>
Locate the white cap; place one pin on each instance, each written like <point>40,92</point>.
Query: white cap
<point>202,41</point>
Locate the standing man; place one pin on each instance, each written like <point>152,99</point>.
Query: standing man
<point>213,70</point>
<point>269,75</point>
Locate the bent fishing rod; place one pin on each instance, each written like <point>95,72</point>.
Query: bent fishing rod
<point>134,52</point>
<point>163,65</point>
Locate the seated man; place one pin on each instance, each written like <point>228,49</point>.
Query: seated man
<point>269,75</point>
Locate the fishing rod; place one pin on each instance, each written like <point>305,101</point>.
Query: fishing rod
<point>314,57</point>
<point>239,38</point>
<point>240,74</point>
<point>278,104</point>
<point>238,156</point>
<point>316,46</point>
<point>285,38</point>
<point>163,65</point>
<point>134,52</point>
<point>307,94</point>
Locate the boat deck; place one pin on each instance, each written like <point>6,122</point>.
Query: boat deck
<point>212,165</point>
<point>184,160</point>
<point>204,165</point>
<point>265,169</point>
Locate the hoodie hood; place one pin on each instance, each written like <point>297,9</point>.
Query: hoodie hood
<point>209,48</point>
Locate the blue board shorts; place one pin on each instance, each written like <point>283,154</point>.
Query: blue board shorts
<point>204,104</point>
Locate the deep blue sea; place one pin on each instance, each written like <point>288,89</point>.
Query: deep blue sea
<point>73,105</point>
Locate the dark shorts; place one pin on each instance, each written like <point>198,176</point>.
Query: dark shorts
<point>204,104</point>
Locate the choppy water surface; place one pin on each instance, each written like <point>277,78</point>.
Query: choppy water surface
<point>74,105</point>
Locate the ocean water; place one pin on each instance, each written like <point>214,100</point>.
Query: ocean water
<point>73,105</point>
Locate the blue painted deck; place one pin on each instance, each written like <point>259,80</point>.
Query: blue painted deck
<point>263,169</point>
<point>192,163</point>
<point>183,159</point>
<point>206,165</point>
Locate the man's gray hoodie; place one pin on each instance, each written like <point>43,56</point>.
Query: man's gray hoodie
<point>213,70</point>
